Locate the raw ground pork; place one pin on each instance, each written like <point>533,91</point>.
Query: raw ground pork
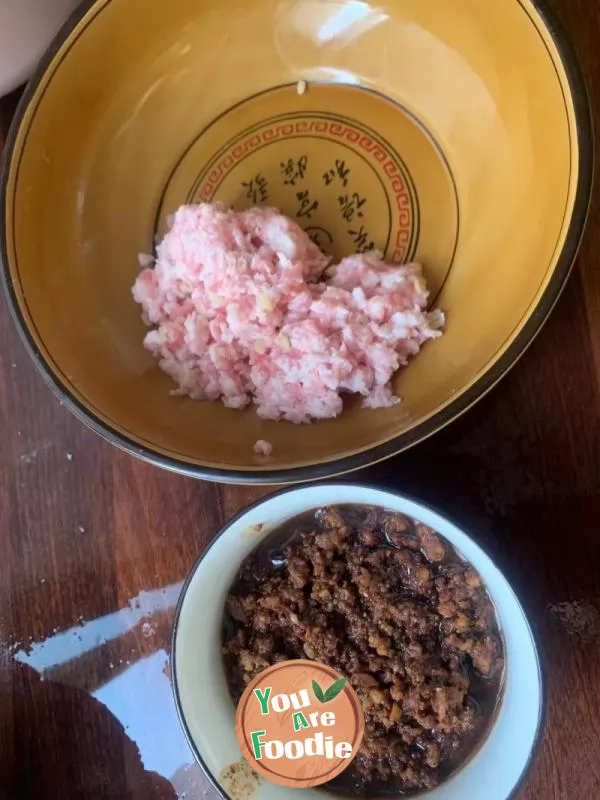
<point>245,308</point>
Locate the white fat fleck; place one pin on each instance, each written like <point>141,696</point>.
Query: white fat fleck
<point>145,260</point>
<point>264,302</point>
<point>437,319</point>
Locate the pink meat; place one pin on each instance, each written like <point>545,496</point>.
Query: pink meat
<point>240,311</point>
<point>263,448</point>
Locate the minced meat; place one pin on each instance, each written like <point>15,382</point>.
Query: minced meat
<point>389,604</point>
<point>244,307</point>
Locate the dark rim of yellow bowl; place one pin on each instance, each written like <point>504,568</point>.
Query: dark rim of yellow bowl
<point>585,138</point>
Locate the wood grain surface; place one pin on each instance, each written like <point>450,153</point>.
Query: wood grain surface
<point>94,546</point>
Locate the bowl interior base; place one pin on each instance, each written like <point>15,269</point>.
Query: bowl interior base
<point>357,171</point>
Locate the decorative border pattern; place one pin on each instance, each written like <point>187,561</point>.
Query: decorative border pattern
<point>398,179</point>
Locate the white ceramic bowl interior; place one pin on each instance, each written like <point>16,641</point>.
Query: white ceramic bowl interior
<point>26,29</point>
<point>203,701</point>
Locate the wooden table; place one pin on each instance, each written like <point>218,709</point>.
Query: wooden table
<point>94,546</point>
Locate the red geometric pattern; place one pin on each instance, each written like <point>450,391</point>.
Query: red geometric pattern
<point>396,183</point>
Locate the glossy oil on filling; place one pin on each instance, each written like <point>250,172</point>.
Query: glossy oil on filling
<point>387,602</point>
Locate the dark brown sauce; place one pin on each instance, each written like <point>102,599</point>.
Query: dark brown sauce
<point>270,561</point>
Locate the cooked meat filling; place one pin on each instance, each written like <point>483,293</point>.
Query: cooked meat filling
<point>388,603</point>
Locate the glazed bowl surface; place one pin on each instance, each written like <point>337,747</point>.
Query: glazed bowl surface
<point>453,132</point>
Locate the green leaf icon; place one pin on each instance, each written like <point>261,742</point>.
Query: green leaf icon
<point>334,690</point>
<point>331,693</point>
<point>318,692</point>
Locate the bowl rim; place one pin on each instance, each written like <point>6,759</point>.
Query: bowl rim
<point>213,780</point>
<point>402,441</point>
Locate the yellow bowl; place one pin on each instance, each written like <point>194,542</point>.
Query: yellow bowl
<point>454,132</point>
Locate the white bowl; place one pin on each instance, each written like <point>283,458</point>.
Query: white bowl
<point>201,694</point>
<point>26,29</point>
